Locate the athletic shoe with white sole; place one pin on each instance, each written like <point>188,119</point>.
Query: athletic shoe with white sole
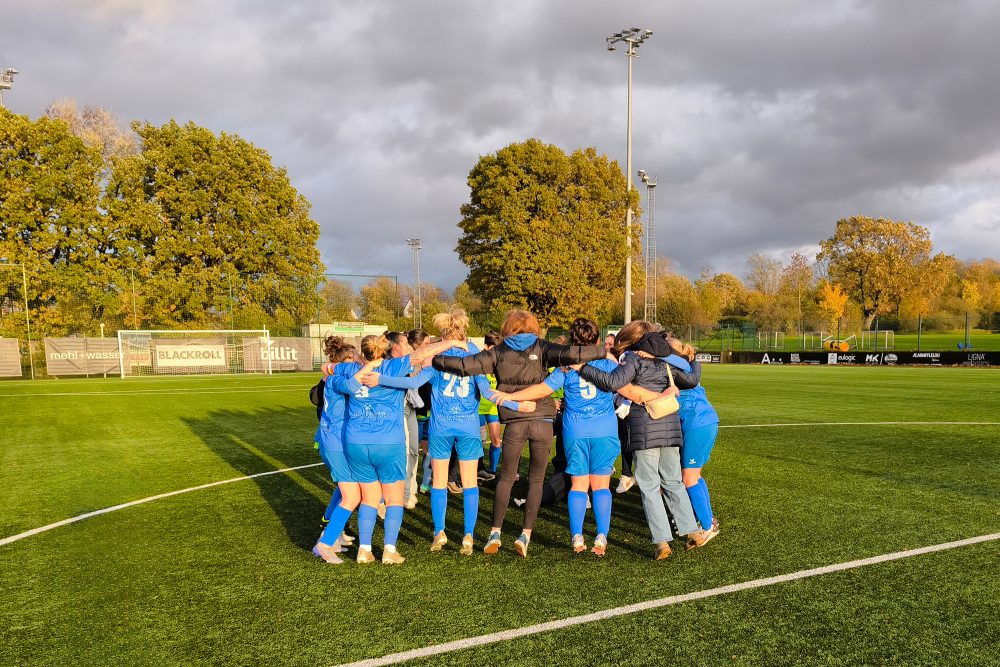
<point>467,545</point>
<point>411,503</point>
<point>600,545</point>
<point>365,556</point>
<point>493,544</point>
<point>437,544</point>
<point>579,545</point>
<point>521,545</point>
<point>327,553</point>
<point>701,538</point>
<point>624,484</point>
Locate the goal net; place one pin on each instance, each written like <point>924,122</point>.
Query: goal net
<point>196,352</point>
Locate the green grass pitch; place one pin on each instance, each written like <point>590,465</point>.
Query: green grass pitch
<point>224,576</point>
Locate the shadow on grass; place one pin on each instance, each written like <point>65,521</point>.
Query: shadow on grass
<point>270,439</point>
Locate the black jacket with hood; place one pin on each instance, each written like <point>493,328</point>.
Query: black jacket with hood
<point>520,361</point>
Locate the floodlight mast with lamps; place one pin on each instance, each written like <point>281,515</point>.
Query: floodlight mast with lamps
<point>6,81</point>
<point>633,38</point>
<point>649,309</point>
<point>417,316</point>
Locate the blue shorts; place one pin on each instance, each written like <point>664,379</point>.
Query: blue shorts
<point>469,447</point>
<point>698,443</point>
<point>377,463</point>
<point>488,419</point>
<point>340,469</point>
<point>423,426</point>
<point>591,456</point>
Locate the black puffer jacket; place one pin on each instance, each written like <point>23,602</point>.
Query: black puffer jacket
<point>516,369</point>
<point>644,432</point>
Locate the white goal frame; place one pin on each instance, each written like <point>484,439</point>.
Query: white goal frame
<point>123,334</point>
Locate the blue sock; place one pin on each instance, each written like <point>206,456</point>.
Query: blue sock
<point>495,458</point>
<point>338,521</point>
<point>439,507</point>
<point>334,501</point>
<point>426,479</point>
<point>700,503</point>
<point>577,511</point>
<point>393,522</point>
<point>470,504</point>
<point>602,510</point>
<point>366,524</point>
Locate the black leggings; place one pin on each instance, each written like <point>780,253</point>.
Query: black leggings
<point>627,455</point>
<point>538,435</point>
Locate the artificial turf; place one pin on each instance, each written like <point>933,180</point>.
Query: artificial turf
<point>224,576</point>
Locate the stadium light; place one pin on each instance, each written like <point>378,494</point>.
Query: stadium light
<point>649,309</point>
<point>633,39</point>
<point>417,317</point>
<point>6,81</point>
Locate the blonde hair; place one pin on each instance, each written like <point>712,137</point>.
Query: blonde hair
<point>452,324</point>
<point>631,334</point>
<point>374,347</point>
<point>520,321</point>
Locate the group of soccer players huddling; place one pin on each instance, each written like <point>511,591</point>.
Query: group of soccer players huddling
<point>637,394</point>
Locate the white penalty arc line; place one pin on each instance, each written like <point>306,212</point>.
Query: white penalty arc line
<point>133,503</point>
<point>35,531</point>
<point>483,640</point>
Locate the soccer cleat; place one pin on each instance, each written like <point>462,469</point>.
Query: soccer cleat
<point>425,489</point>
<point>579,545</point>
<point>327,553</point>
<point>411,503</point>
<point>365,556</point>
<point>466,549</point>
<point>485,476</point>
<point>600,545</point>
<point>663,550</point>
<point>493,544</point>
<point>453,487</point>
<point>624,484</point>
<point>521,545</point>
<point>381,511</point>
<point>437,544</point>
<point>392,558</point>
<point>345,539</point>
<point>701,537</point>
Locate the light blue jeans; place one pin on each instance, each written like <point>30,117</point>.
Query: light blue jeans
<point>658,475</point>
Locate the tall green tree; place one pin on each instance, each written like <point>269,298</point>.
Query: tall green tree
<point>546,231</point>
<point>49,192</point>
<point>214,231</point>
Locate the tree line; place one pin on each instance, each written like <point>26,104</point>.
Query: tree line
<point>178,226</point>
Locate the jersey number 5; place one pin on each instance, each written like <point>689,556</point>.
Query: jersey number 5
<point>587,390</point>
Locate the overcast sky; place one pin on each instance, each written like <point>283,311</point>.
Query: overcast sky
<point>765,121</point>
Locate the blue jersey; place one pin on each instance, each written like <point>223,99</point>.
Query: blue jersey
<point>588,412</point>
<point>331,422</point>
<point>374,414</point>
<point>456,399</point>
<point>695,410</point>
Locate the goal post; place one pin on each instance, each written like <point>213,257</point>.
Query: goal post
<point>152,352</point>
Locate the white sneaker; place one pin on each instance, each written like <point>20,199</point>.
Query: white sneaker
<point>624,484</point>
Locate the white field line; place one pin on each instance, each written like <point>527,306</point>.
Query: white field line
<point>482,640</point>
<point>133,392</point>
<point>81,517</point>
<point>861,424</point>
<point>115,508</point>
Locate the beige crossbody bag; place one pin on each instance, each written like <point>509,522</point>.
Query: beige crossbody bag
<point>664,405</point>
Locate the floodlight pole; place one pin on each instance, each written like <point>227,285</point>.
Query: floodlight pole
<point>633,38</point>
<point>649,310</point>
<point>417,317</point>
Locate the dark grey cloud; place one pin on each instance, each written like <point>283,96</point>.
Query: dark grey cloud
<point>765,122</point>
